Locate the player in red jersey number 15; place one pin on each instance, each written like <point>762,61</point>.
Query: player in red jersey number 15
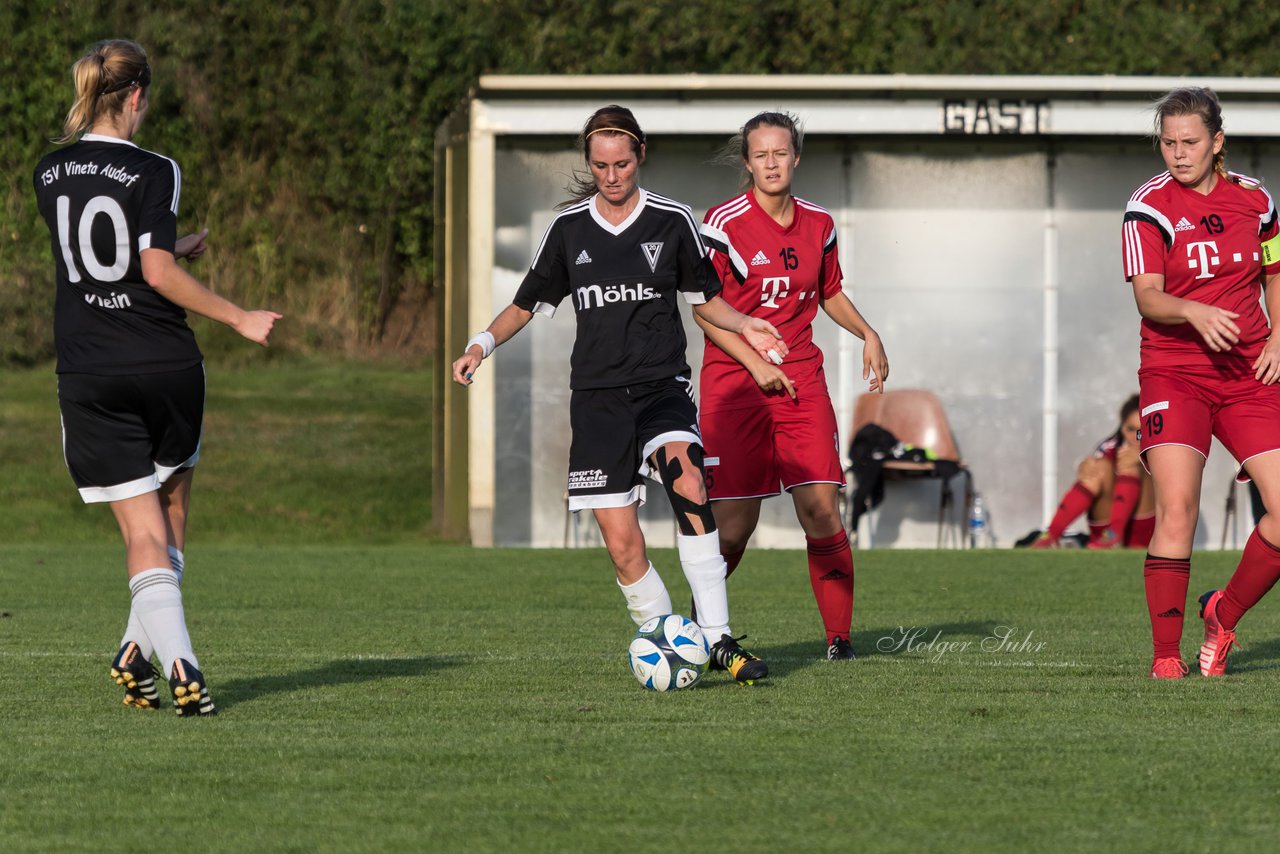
<point>769,424</point>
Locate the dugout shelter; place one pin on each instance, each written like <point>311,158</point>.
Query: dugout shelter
<point>979,229</point>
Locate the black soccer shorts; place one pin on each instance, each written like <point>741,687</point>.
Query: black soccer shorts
<point>614,432</point>
<point>123,436</point>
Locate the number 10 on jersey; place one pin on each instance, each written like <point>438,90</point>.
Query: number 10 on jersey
<point>98,205</point>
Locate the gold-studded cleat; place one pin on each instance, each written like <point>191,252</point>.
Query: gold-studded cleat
<point>136,675</point>
<point>190,693</point>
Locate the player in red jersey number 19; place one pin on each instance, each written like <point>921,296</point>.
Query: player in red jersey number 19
<point>1198,242</point>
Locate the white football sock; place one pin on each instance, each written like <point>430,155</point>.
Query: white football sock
<point>704,568</point>
<point>647,598</point>
<point>176,561</point>
<point>157,604</point>
<point>136,633</point>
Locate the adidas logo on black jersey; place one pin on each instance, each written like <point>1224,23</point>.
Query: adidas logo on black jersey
<point>760,258</point>
<point>1183,225</point>
<point>583,258</point>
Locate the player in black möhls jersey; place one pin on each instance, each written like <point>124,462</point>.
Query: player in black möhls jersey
<point>622,254</point>
<point>130,376</point>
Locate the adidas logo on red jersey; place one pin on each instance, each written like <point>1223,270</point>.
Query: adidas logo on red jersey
<point>1183,225</point>
<point>760,258</point>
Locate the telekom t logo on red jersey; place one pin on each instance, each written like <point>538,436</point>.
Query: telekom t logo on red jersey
<point>773,289</point>
<point>1198,258</point>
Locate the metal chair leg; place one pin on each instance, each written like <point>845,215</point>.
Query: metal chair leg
<point>944,499</point>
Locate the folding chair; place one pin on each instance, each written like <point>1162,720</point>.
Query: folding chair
<point>916,417</point>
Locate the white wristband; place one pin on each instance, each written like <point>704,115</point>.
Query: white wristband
<point>484,340</point>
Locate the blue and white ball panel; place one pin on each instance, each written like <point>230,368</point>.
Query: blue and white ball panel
<point>650,626</point>
<point>686,640</point>
<point>687,676</point>
<point>650,665</point>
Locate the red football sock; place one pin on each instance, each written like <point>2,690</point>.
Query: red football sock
<point>1257,573</point>
<point>731,561</point>
<point>1077,501</point>
<point>831,574</point>
<point>1124,500</point>
<point>1166,582</point>
<point>1140,530</point>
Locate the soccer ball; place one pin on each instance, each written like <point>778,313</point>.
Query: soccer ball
<point>669,653</point>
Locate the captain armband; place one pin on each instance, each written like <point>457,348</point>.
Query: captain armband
<point>484,340</point>
<point>1271,251</point>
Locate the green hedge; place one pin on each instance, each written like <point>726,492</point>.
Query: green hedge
<point>305,130</point>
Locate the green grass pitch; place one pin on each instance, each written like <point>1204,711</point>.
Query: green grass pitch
<point>383,693</point>
<point>418,697</point>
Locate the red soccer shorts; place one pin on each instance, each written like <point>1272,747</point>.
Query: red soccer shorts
<point>757,452</point>
<point>1190,404</point>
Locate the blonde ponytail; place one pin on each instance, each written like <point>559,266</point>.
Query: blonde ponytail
<point>104,78</point>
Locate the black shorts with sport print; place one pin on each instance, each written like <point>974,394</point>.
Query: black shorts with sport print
<point>614,432</point>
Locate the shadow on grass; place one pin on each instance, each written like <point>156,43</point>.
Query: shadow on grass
<point>1256,656</point>
<point>342,671</point>
<point>870,643</point>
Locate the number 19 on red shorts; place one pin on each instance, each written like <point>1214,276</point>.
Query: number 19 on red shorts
<point>1190,405</point>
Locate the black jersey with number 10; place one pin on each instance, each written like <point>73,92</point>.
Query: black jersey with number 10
<point>623,279</point>
<point>105,200</point>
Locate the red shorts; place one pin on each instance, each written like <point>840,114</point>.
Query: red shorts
<point>757,452</point>
<point>1191,404</point>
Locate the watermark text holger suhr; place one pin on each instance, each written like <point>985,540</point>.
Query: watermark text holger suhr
<point>1003,640</point>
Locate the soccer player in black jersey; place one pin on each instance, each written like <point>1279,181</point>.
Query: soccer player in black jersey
<point>622,255</point>
<point>130,376</point>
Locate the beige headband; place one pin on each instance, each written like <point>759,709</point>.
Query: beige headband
<point>619,130</point>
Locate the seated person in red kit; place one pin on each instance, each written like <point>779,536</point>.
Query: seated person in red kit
<point>1113,488</point>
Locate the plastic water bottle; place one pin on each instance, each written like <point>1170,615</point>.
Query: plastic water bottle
<point>979,531</point>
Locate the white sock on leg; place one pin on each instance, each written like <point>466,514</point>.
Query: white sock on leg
<point>157,604</point>
<point>704,568</point>
<point>134,630</point>
<point>137,634</point>
<point>177,562</point>
<point>647,598</point>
